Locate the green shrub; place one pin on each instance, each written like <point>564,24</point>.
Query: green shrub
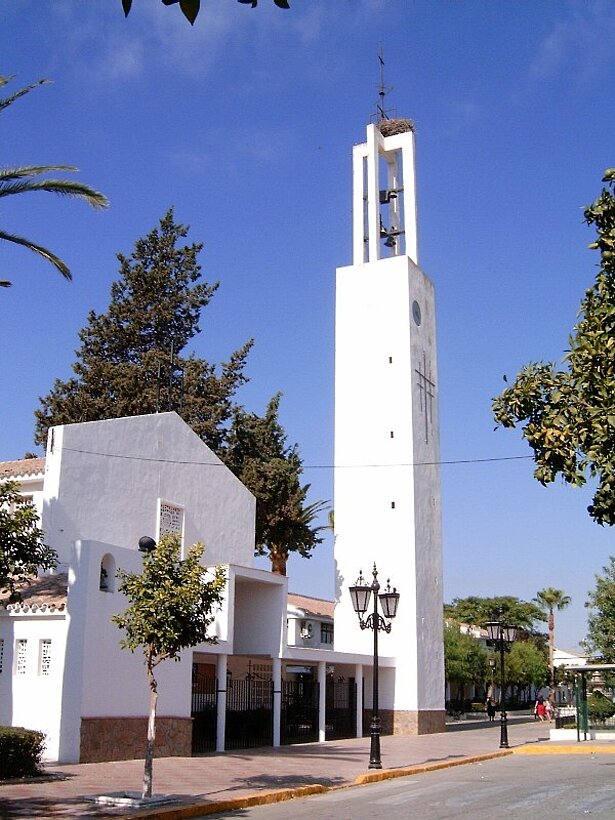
<point>599,707</point>
<point>21,751</point>
<point>478,707</point>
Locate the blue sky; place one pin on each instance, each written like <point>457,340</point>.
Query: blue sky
<point>245,124</point>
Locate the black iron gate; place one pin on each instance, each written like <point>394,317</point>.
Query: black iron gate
<point>299,718</point>
<point>249,714</point>
<point>341,713</point>
<point>204,712</point>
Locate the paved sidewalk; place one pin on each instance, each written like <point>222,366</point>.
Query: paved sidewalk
<point>212,780</point>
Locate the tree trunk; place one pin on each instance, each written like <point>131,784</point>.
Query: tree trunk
<point>148,767</point>
<point>279,558</point>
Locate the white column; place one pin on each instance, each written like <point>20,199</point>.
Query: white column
<point>410,212</point>
<point>373,193</point>
<point>322,700</point>
<point>358,676</point>
<point>221,667</point>
<point>358,205</point>
<point>276,672</point>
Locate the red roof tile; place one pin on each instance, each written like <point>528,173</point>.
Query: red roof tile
<point>44,592</point>
<point>312,606</point>
<point>21,468</point>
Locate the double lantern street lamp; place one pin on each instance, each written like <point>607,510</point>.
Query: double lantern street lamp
<point>360,594</point>
<point>501,637</point>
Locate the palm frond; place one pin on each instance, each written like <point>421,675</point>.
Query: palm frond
<point>46,254</point>
<point>62,187</point>
<point>7,174</point>
<point>8,100</point>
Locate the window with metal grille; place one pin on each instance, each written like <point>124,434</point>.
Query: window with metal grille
<point>45,657</point>
<point>21,650</point>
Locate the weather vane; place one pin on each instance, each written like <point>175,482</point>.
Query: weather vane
<point>383,90</point>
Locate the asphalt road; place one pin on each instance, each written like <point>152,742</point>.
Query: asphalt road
<point>547,787</point>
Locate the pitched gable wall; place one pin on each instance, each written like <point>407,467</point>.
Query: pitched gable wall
<point>104,480</point>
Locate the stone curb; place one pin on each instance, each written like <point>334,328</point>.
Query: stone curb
<point>280,795</point>
<point>579,749</point>
<point>389,774</point>
<point>229,804</point>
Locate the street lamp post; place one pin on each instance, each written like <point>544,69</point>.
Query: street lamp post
<point>501,637</point>
<point>360,594</point>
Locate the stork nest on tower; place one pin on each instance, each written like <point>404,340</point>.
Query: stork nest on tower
<point>389,127</point>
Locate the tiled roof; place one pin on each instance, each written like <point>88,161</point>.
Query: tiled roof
<point>311,606</point>
<point>47,593</point>
<point>21,468</point>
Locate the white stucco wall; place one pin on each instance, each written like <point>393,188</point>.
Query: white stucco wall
<point>100,678</point>
<point>104,480</point>
<point>32,700</point>
<point>379,437</point>
<point>259,612</point>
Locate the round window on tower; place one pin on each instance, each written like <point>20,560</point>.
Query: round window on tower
<point>416,313</point>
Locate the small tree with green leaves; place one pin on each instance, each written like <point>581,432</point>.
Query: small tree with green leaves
<point>22,549</point>
<point>172,605</point>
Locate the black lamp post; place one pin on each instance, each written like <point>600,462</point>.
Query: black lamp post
<point>389,599</point>
<point>501,637</point>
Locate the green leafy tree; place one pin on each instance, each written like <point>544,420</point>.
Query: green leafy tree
<point>22,549</point>
<point>569,415</point>
<point>549,600</point>
<point>259,454</point>
<point>171,608</point>
<point>190,8</point>
<point>465,661</point>
<point>27,178</point>
<point>600,639</point>
<point>526,665</point>
<point>599,707</point>
<point>510,610</point>
<point>131,358</point>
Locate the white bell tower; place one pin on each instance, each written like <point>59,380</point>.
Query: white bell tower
<point>387,478</point>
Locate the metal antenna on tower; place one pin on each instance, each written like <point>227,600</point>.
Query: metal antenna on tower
<point>383,90</point>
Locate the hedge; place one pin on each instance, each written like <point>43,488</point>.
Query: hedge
<point>21,751</point>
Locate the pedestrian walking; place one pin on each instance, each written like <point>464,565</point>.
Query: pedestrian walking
<point>490,710</point>
<point>539,708</point>
<point>548,710</point>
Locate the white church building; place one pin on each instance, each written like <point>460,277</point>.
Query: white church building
<point>277,665</point>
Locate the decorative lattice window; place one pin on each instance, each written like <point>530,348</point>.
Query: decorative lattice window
<point>170,520</point>
<point>1,654</point>
<point>21,650</point>
<point>44,657</point>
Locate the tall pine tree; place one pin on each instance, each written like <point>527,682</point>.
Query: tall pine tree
<point>130,361</point>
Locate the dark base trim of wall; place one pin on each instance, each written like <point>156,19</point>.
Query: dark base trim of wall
<point>123,738</point>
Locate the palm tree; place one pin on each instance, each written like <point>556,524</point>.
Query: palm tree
<point>549,600</point>
<point>26,178</point>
